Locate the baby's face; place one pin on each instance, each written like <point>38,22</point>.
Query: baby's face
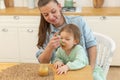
<point>67,40</point>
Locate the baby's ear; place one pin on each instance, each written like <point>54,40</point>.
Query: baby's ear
<point>76,42</point>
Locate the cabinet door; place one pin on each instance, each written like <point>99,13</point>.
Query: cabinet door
<point>28,41</point>
<point>8,44</point>
<point>110,26</point>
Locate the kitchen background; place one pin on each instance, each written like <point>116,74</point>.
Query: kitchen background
<point>22,25</point>
<point>80,3</point>
<point>20,32</point>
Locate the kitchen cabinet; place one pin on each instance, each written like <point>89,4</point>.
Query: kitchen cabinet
<point>110,26</point>
<point>28,41</point>
<point>18,38</point>
<point>8,44</point>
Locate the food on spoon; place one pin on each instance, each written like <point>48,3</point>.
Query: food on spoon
<point>62,42</point>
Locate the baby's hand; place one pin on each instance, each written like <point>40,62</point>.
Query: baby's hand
<point>62,69</point>
<point>58,64</point>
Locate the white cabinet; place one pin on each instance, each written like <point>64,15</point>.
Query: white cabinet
<point>108,25</point>
<point>18,38</point>
<point>8,44</point>
<point>28,41</point>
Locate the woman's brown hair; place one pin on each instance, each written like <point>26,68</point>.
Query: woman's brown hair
<point>44,26</point>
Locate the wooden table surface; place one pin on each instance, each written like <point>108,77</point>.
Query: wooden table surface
<point>82,74</point>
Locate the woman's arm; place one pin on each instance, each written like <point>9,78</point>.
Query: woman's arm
<point>92,53</point>
<point>46,55</point>
<point>90,42</point>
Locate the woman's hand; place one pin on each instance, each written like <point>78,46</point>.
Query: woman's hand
<point>58,64</point>
<point>62,69</point>
<point>54,42</point>
<point>46,55</point>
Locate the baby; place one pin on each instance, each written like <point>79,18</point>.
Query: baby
<point>70,55</point>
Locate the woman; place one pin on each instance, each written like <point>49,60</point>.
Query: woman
<point>52,20</point>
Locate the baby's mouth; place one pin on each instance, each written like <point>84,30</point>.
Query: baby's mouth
<point>61,43</point>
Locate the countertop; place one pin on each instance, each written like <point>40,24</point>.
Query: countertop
<point>86,11</point>
<point>84,73</point>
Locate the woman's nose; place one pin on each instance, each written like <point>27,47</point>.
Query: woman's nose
<point>50,16</point>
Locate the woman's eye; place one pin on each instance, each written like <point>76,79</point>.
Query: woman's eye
<point>54,11</point>
<point>45,14</point>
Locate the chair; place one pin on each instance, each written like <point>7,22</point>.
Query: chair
<point>105,49</point>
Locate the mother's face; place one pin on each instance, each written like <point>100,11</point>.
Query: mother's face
<point>52,13</point>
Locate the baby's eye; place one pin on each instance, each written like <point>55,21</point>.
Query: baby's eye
<point>67,39</point>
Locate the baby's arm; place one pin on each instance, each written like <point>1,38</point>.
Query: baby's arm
<point>80,61</point>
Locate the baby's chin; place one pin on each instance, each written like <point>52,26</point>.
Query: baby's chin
<point>63,47</point>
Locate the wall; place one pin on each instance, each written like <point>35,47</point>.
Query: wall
<point>83,3</point>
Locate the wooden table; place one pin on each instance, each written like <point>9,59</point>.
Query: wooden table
<point>82,74</point>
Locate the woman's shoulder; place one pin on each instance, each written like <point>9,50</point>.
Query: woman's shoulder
<point>73,17</point>
<point>78,20</point>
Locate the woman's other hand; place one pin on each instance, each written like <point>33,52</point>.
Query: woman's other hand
<point>54,42</point>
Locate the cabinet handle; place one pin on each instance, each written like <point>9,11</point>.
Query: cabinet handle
<point>103,17</point>
<point>5,30</point>
<point>29,30</point>
<point>16,17</point>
